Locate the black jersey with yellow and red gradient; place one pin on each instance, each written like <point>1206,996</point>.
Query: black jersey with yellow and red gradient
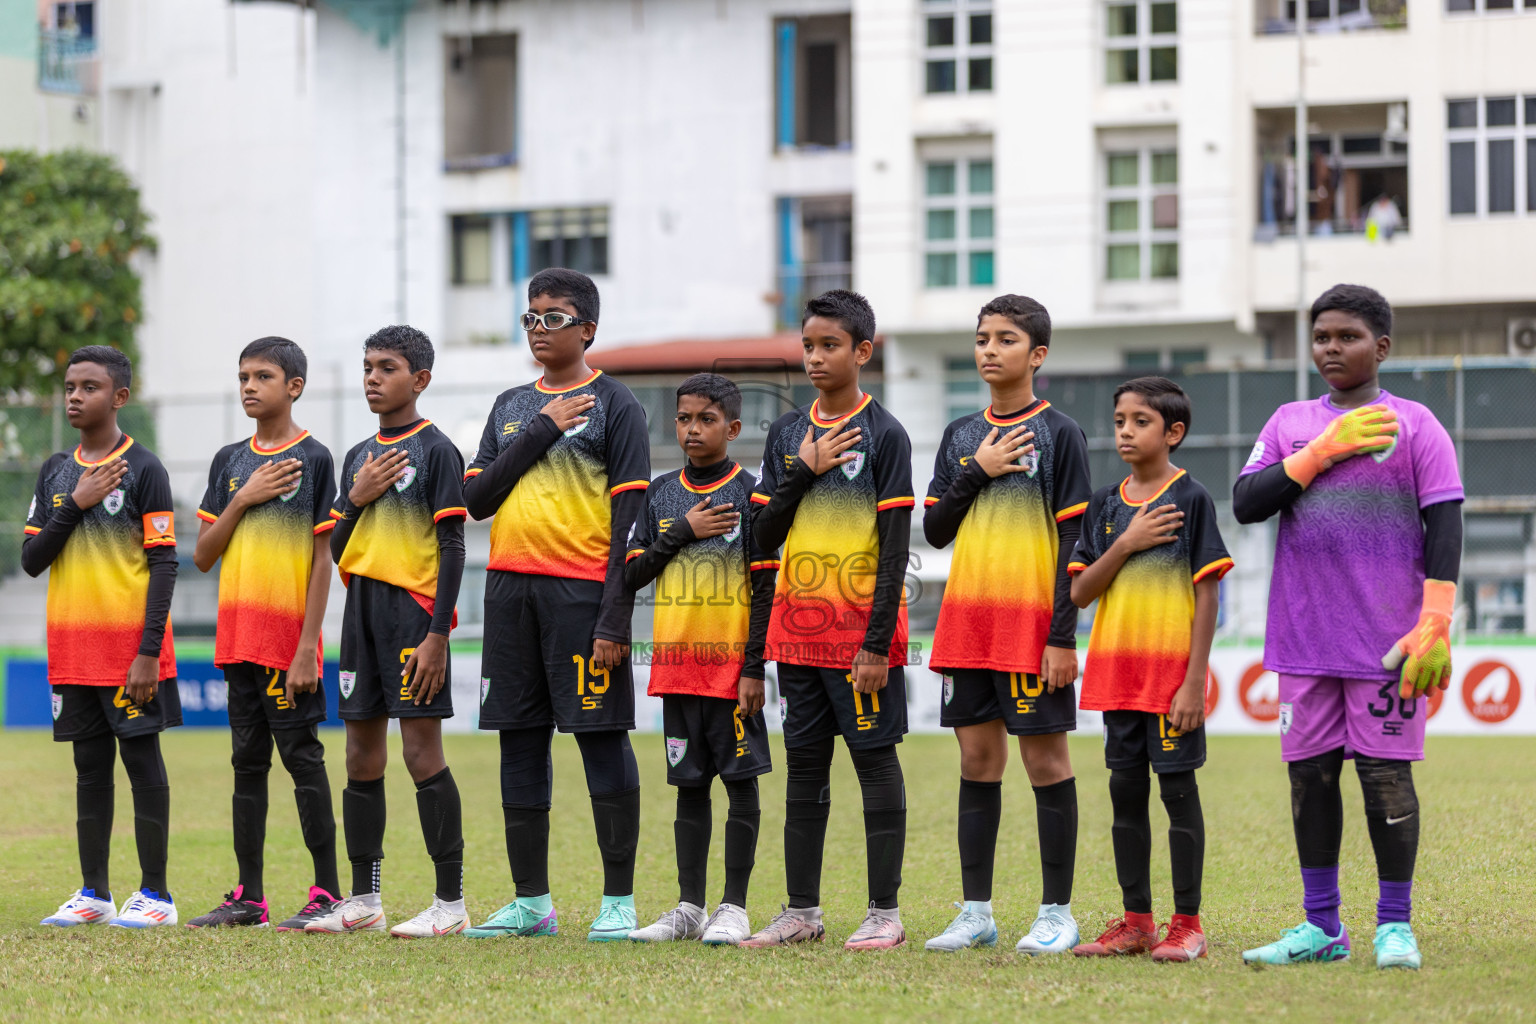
<point>826,588</point>
<point>395,540</point>
<point>99,582</point>
<point>264,571</point>
<point>1138,651</point>
<point>1001,594</point>
<point>703,602</point>
<point>558,518</point>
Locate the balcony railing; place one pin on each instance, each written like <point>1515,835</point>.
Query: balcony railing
<point>66,62</point>
<point>797,284</point>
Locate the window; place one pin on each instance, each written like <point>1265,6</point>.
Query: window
<point>964,391</point>
<point>575,238</point>
<point>1141,214</point>
<point>471,249</point>
<point>1491,149</point>
<point>479,102</point>
<point>812,77</point>
<point>958,226</point>
<point>1483,6</point>
<point>1356,168</point>
<point>1141,42</point>
<point>957,46</point>
<point>1278,17</point>
<point>815,250</point>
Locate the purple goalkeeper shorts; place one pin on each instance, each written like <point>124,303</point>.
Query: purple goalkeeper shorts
<point>1364,716</point>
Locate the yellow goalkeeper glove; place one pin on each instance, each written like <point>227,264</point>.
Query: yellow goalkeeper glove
<point>1425,652</point>
<point>1370,428</point>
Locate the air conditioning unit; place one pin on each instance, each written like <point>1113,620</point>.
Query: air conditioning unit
<point>1522,338</point>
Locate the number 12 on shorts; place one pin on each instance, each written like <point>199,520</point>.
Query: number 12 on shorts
<point>587,686</point>
<point>866,722</point>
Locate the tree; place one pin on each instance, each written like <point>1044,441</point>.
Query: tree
<point>70,223</point>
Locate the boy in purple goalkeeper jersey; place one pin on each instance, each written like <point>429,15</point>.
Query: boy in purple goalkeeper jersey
<point>1360,602</point>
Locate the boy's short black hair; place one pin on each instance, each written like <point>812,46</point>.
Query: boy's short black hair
<point>1165,397</point>
<point>108,358</point>
<point>1357,300</point>
<point>564,283</point>
<point>851,310</point>
<point>280,352</point>
<point>719,390</point>
<point>414,345</point>
<point>1027,315</point>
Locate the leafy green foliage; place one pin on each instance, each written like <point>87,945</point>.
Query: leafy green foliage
<point>70,222</point>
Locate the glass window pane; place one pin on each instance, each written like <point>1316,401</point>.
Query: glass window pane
<point>1122,20</point>
<point>1501,111</point>
<point>1530,107</point>
<point>981,222</point>
<point>981,268</point>
<point>981,29</point>
<point>941,31</point>
<point>941,225</point>
<point>1165,167</point>
<point>979,78</point>
<point>472,250</point>
<point>1165,259</point>
<point>1120,67</point>
<point>1124,169</point>
<point>941,179</point>
<point>1165,18</point>
<point>1530,175</point>
<point>940,269</point>
<point>1124,215</point>
<point>1145,362</point>
<point>1499,5</point>
<point>1461,5</point>
<point>1165,212</point>
<point>1124,263</point>
<point>1182,357</point>
<point>1461,114</point>
<point>1348,6</point>
<point>979,178</point>
<point>940,76</point>
<point>1163,62</point>
<point>1501,175</point>
<point>1463,177</point>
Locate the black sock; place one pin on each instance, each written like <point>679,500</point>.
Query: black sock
<point>1131,833</point>
<point>885,821</point>
<point>151,807</point>
<point>981,809</point>
<point>695,820</point>
<point>527,831</point>
<point>741,822</point>
<point>616,816</point>
<point>1391,815</point>
<point>442,826</point>
<point>1056,821</point>
<point>1317,808</point>
<point>527,776</point>
<point>95,796</point>
<point>1186,838</point>
<point>303,755</point>
<point>807,805</point>
<point>363,817</point>
<point>249,808</point>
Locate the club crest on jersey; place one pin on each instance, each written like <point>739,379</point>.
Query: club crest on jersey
<point>57,700</point>
<point>1031,463</point>
<point>1257,455</point>
<point>1285,719</point>
<point>297,483</point>
<point>407,479</point>
<point>348,681</point>
<point>32,508</point>
<point>852,467</point>
<point>113,502</point>
<point>578,428</point>
<point>676,750</point>
<point>949,690</point>
<point>730,538</point>
<point>1386,452</point>
<point>485,688</point>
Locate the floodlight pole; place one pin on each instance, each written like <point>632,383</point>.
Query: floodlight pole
<point>1303,169</point>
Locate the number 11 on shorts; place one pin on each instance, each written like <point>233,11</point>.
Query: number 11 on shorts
<point>866,722</point>
<point>587,686</point>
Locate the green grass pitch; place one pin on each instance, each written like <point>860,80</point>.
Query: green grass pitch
<point>1474,887</point>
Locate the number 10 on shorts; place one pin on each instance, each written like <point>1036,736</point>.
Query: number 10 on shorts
<point>587,686</point>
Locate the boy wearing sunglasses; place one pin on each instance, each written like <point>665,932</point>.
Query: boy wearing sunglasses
<point>563,467</point>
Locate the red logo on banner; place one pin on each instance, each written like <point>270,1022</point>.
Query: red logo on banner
<point>1491,691</point>
<point>1260,693</point>
<point>1212,692</point>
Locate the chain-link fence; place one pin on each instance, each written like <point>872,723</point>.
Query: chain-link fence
<point>1489,407</point>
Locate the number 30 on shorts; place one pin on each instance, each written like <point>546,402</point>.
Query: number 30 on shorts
<point>588,687</point>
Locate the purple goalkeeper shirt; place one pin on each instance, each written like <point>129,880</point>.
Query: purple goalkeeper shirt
<point>1349,560</point>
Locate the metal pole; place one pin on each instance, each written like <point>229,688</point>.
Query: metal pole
<point>1303,168</point>
<point>400,274</point>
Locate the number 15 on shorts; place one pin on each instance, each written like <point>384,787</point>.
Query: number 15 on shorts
<point>590,683</point>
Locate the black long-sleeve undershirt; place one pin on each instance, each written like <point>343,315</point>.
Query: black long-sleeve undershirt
<point>485,492</point>
<point>344,526</point>
<point>1442,541</point>
<point>771,523</point>
<point>763,581</point>
<point>1063,611</point>
<point>894,528</point>
<point>157,602</point>
<point>1257,496</point>
<point>39,550</point>
<point>618,601</point>
<point>642,570</point>
<point>942,519</point>
<point>450,573</point>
